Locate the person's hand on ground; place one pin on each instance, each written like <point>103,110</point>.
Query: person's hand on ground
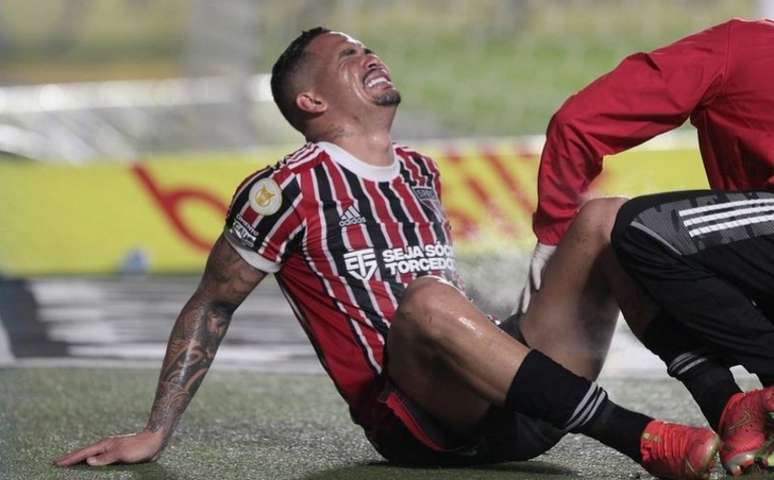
<point>133,448</point>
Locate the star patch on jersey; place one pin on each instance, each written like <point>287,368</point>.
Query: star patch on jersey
<point>265,197</point>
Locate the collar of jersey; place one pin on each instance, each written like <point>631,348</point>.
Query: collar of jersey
<point>359,167</point>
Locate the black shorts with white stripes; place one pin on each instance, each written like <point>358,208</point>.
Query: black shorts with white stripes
<point>707,258</point>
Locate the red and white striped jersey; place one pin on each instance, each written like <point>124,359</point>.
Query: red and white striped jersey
<point>344,239</point>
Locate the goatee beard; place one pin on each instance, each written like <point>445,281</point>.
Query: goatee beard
<point>389,99</point>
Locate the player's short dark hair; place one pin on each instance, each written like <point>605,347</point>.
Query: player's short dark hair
<point>285,68</point>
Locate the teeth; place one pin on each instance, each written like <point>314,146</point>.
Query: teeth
<point>376,81</point>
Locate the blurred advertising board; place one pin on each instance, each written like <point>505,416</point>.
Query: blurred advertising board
<point>161,214</point>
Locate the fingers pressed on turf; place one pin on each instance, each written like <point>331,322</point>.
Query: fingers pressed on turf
<point>104,459</point>
<point>79,456</point>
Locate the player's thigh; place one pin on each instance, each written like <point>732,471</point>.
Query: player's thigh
<point>430,384</point>
<point>573,315</point>
<point>448,355</point>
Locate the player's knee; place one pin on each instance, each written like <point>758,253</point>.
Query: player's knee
<point>421,309</point>
<point>597,217</point>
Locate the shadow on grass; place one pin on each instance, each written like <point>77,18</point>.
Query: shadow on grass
<point>143,471</point>
<point>378,470</point>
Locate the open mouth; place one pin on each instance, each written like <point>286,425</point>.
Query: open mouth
<point>376,78</point>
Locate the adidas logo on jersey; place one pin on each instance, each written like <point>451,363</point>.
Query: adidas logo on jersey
<point>351,217</point>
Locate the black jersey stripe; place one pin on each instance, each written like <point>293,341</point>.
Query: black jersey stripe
<point>334,241</point>
<point>302,152</point>
<point>396,288</point>
<point>422,166</point>
<point>378,239</point>
<point>296,238</point>
<point>359,288</point>
<point>411,182</point>
<point>309,178</point>
<point>291,193</point>
<point>438,228</point>
<point>373,195</point>
<point>273,229</point>
<point>329,216</point>
<point>398,210</point>
<point>375,237</point>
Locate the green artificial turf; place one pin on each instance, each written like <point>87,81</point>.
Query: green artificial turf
<point>245,425</point>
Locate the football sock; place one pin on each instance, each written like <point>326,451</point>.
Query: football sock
<point>619,428</point>
<point>710,383</point>
<point>544,389</point>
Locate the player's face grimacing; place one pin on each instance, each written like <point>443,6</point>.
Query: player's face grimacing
<point>349,68</point>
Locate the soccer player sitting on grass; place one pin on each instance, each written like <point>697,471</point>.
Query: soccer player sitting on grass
<point>353,229</point>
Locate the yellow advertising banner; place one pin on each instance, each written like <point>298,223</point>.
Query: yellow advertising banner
<point>161,214</point>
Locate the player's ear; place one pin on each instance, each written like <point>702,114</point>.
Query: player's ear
<point>311,103</point>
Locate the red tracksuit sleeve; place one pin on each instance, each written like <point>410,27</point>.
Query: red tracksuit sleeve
<point>647,94</point>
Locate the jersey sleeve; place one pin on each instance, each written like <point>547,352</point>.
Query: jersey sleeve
<point>264,223</point>
<point>645,95</point>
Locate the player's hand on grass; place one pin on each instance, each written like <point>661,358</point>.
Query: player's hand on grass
<point>134,448</point>
<point>537,264</point>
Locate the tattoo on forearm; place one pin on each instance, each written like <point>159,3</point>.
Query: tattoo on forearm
<point>197,334</point>
<point>191,350</point>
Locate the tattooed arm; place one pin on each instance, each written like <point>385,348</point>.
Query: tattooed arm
<point>194,340</point>
<point>197,334</point>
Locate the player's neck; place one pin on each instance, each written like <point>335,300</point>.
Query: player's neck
<point>372,148</point>
<point>365,136</point>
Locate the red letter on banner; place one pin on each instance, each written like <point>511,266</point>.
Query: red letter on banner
<point>172,200</point>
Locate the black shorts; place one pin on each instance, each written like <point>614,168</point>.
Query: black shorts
<point>403,433</point>
<point>707,259</point>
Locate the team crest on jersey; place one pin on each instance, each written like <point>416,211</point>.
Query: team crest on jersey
<point>265,196</point>
<point>361,264</point>
<point>429,198</point>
